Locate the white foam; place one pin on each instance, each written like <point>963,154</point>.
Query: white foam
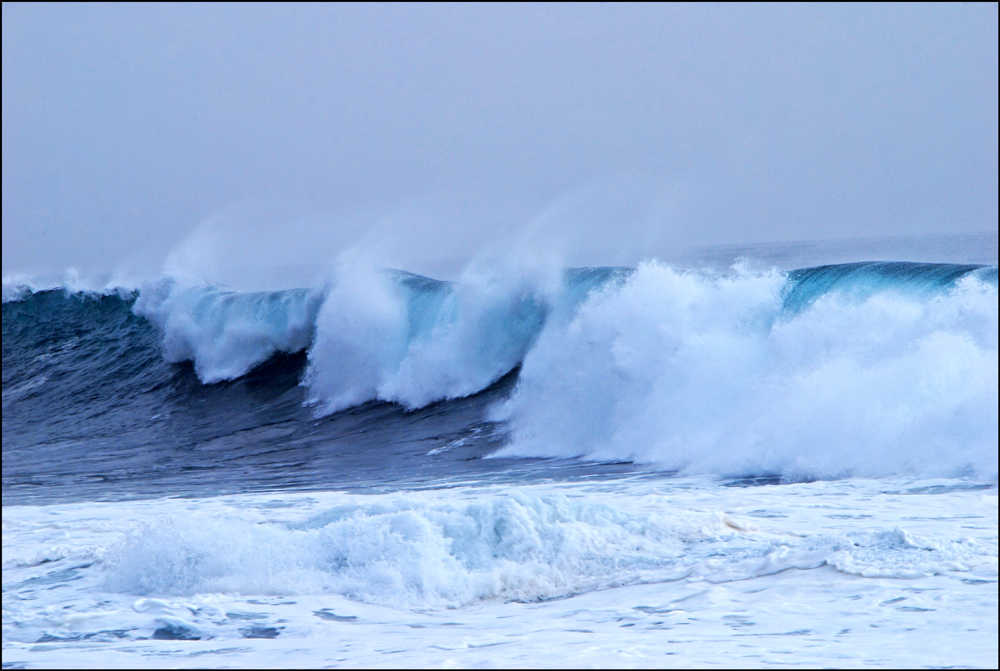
<point>404,551</point>
<point>875,572</point>
<point>423,551</point>
<point>709,374</point>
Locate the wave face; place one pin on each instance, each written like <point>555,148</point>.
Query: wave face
<point>825,372</point>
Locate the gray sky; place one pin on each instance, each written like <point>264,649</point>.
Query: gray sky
<point>296,129</point>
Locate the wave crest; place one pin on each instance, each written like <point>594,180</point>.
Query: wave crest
<point>227,333</point>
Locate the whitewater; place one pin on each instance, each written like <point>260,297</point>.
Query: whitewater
<point>673,464</point>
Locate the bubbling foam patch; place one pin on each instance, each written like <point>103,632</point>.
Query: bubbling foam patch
<point>419,551</point>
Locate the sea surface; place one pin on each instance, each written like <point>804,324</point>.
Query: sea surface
<point>764,455</point>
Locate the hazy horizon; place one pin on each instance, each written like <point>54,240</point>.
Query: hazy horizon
<point>246,135</point>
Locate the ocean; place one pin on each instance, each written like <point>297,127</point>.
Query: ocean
<point>740,456</point>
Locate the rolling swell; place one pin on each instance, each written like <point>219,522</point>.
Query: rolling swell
<point>862,280</point>
<point>395,373</point>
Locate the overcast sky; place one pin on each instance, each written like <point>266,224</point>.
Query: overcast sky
<point>127,128</point>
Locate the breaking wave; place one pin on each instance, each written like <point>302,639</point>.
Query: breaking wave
<point>867,369</point>
<point>833,371</point>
